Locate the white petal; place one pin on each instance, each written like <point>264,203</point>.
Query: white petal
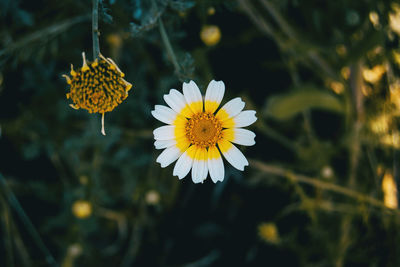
<point>164,114</point>
<point>168,156</point>
<point>175,100</point>
<point>160,144</point>
<point>200,169</point>
<point>235,157</point>
<point>232,107</point>
<point>214,94</point>
<point>215,165</point>
<point>184,163</point>
<point>245,118</point>
<point>193,96</point>
<point>243,137</point>
<point>164,132</point>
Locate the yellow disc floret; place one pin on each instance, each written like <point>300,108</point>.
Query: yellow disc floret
<point>203,129</point>
<point>98,86</point>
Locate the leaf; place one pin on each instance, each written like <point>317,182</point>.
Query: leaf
<point>283,107</point>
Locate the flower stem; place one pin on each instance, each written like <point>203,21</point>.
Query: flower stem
<point>102,124</point>
<point>95,29</point>
<point>168,46</point>
<point>14,203</point>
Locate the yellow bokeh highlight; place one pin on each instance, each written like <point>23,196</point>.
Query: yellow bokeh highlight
<point>268,232</point>
<point>394,18</point>
<point>391,139</point>
<point>341,50</point>
<point>395,94</point>
<point>380,124</point>
<point>336,87</point>
<point>152,197</point>
<point>210,35</point>
<point>82,209</point>
<point>374,18</point>
<point>389,189</point>
<point>114,40</point>
<point>375,74</point>
<point>345,72</point>
<point>396,57</point>
<point>211,11</point>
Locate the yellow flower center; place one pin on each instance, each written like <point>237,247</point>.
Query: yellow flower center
<point>203,129</point>
<point>98,87</point>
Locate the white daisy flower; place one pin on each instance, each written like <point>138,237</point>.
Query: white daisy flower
<point>197,133</point>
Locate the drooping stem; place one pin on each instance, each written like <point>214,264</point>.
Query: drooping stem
<point>95,29</point>
<point>102,124</point>
<point>14,203</point>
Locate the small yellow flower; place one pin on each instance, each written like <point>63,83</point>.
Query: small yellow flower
<point>82,209</point>
<point>268,232</point>
<point>389,189</point>
<point>197,133</point>
<point>210,35</point>
<point>97,86</point>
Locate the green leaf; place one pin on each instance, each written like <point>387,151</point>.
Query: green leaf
<point>283,107</point>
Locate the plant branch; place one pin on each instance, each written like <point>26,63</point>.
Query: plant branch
<point>95,29</point>
<point>284,173</point>
<point>168,46</point>
<point>13,201</point>
<point>39,35</point>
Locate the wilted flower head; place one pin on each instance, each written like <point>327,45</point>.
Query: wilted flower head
<point>198,132</point>
<point>97,86</point>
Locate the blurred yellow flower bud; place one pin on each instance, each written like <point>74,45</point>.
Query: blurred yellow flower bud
<point>341,50</point>
<point>211,11</point>
<point>345,71</point>
<point>82,209</point>
<point>327,172</point>
<point>152,197</point>
<point>114,40</point>
<point>268,232</point>
<point>210,35</point>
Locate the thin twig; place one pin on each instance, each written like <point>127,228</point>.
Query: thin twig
<point>26,221</point>
<point>95,29</point>
<point>356,84</point>
<point>279,19</point>
<point>281,172</point>
<point>8,244</point>
<point>167,43</point>
<point>270,132</point>
<point>168,46</point>
<point>41,34</point>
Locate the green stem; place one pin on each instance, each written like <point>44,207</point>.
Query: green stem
<point>95,29</point>
<point>168,46</point>
<point>14,203</point>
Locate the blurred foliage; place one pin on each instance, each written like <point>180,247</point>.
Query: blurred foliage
<point>323,77</point>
